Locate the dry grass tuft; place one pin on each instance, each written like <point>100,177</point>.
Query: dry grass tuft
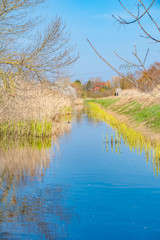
<point>145,99</point>
<point>79,101</point>
<point>31,101</point>
<point>156,91</point>
<point>130,92</point>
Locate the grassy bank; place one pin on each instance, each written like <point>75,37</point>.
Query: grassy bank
<point>139,112</point>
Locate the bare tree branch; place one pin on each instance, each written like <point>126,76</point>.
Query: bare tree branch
<point>29,68</point>
<point>114,69</point>
<point>138,18</point>
<point>136,65</point>
<point>122,21</point>
<point>149,77</point>
<point>146,56</point>
<point>150,15</point>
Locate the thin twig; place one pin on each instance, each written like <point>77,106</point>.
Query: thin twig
<point>150,16</point>
<point>126,60</point>
<point>118,71</point>
<point>150,78</point>
<point>122,21</point>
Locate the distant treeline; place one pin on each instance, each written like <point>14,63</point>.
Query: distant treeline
<point>95,87</point>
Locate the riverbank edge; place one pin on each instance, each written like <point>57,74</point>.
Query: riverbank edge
<point>148,133</point>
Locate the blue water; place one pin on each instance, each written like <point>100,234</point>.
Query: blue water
<point>85,192</point>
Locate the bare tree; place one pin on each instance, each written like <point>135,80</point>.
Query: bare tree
<point>26,64</point>
<point>41,59</point>
<point>15,17</point>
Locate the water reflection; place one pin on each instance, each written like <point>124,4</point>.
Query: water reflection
<point>123,134</point>
<point>42,214</point>
<point>113,142</point>
<point>78,112</point>
<point>23,169</point>
<point>84,193</point>
<point>29,156</point>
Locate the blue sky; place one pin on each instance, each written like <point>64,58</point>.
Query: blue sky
<point>93,20</point>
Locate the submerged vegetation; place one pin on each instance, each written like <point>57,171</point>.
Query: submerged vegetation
<point>134,139</point>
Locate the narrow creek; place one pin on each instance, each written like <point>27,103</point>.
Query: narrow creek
<point>87,183</point>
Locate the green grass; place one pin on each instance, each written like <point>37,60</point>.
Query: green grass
<point>129,108</point>
<point>35,134</point>
<point>149,115</point>
<point>104,102</point>
<point>26,128</point>
<point>66,110</point>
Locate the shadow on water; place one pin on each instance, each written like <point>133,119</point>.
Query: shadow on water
<point>127,135</point>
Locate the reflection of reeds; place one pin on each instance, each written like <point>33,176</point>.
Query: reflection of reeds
<point>25,159</point>
<point>135,140</point>
<point>19,162</point>
<point>22,157</point>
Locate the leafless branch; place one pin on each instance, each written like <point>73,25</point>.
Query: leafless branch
<point>138,18</point>
<point>146,56</point>
<point>136,65</point>
<point>122,21</point>
<point>142,65</point>
<point>147,11</point>
<point>114,69</point>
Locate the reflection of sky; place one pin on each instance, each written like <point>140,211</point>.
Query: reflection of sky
<point>93,20</point>
<point>87,193</point>
<point>83,148</point>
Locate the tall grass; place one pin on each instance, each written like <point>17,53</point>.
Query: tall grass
<point>28,128</point>
<point>29,109</point>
